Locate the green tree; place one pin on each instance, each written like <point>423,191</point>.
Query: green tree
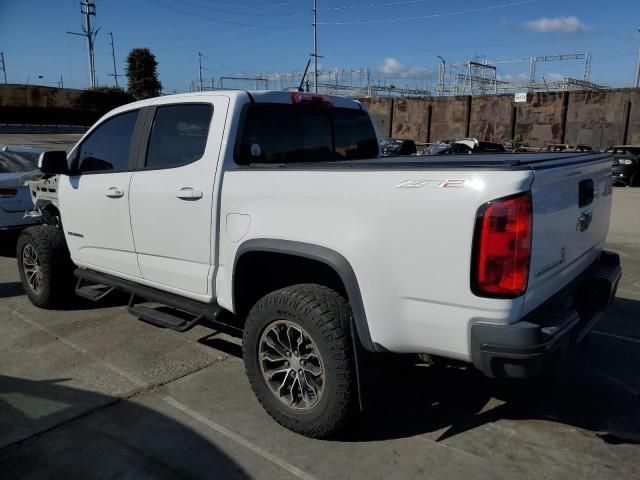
<point>142,74</point>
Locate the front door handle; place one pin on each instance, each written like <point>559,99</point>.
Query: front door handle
<point>188,193</point>
<point>114,192</point>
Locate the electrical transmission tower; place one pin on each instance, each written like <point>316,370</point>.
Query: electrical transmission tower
<point>2,67</point>
<point>478,84</point>
<point>89,10</point>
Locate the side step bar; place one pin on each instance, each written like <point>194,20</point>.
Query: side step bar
<point>200,310</point>
<point>163,319</point>
<point>94,293</point>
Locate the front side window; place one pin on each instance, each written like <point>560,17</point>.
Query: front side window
<point>178,135</point>
<point>107,147</point>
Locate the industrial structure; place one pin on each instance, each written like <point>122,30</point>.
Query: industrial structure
<point>477,76</point>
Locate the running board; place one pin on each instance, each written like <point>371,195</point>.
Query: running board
<point>164,319</point>
<point>94,292</point>
<point>139,292</point>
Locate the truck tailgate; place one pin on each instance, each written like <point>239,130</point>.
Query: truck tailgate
<point>571,207</point>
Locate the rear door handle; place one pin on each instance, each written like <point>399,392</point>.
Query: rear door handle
<point>114,192</point>
<point>188,193</point>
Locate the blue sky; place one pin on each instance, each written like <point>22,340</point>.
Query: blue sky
<point>253,36</point>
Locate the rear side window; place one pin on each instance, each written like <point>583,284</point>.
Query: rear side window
<point>178,135</point>
<point>107,147</point>
<point>281,133</point>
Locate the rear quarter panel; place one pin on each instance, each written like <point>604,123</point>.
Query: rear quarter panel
<point>410,247</point>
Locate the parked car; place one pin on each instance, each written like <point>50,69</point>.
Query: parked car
<point>465,145</point>
<point>390,147</point>
<point>626,165</point>
<point>15,198</point>
<point>565,147</point>
<point>275,207</point>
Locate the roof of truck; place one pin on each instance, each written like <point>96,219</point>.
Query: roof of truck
<point>259,96</point>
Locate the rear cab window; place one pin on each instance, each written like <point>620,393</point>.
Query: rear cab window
<point>178,135</point>
<point>274,133</point>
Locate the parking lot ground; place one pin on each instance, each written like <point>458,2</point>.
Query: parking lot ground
<point>91,392</point>
<point>50,141</point>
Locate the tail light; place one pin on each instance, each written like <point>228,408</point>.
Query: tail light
<point>8,192</point>
<point>502,247</point>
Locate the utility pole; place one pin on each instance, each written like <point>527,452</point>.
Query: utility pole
<point>200,69</point>
<point>315,46</point>
<point>637,68</point>
<point>4,69</point>
<point>88,10</point>
<point>113,55</point>
<point>442,74</point>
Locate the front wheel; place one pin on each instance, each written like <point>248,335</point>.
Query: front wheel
<point>45,267</point>
<point>299,358</point>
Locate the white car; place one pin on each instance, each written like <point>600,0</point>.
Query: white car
<point>274,206</point>
<point>16,169</point>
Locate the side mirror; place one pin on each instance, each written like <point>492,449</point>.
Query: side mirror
<point>53,163</point>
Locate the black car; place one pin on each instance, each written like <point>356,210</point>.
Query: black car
<point>392,147</point>
<point>626,165</point>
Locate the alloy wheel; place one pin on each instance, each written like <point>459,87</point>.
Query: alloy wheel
<point>32,268</point>
<point>291,365</point>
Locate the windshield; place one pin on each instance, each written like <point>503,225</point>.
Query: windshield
<point>14,162</point>
<point>281,133</point>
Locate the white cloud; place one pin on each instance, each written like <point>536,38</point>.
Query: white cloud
<point>391,66</point>
<point>557,24</point>
<point>520,77</point>
<point>553,77</point>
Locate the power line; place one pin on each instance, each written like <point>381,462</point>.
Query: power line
<point>248,2</point>
<point>435,15</point>
<point>219,10</point>
<point>221,35</point>
<point>215,20</point>
<point>486,45</point>
<point>376,5</point>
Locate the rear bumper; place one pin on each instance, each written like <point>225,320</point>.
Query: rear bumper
<point>522,350</point>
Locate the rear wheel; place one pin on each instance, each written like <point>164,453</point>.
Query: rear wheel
<point>45,266</point>
<point>299,358</point>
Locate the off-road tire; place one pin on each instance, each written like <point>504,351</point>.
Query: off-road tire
<point>55,264</point>
<point>325,316</point>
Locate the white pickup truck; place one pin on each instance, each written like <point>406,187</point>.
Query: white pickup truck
<point>274,206</point>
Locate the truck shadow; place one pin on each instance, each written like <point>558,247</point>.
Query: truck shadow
<point>11,289</point>
<point>8,241</point>
<point>598,389</point>
<point>51,430</point>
